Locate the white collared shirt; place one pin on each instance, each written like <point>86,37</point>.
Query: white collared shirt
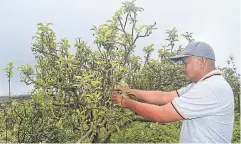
<point>208,110</point>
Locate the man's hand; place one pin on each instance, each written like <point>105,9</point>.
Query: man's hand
<point>118,99</point>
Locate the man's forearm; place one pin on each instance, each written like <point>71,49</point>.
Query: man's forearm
<point>165,113</point>
<point>154,97</point>
<point>147,111</point>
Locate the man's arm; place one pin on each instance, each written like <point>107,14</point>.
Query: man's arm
<point>165,113</point>
<point>153,97</point>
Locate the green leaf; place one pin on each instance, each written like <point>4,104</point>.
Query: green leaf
<point>108,33</point>
<point>88,77</point>
<point>76,85</point>
<point>59,124</point>
<point>94,28</point>
<point>117,128</point>
<point>14,103</point>
<point>40,82</point>
<point>78,77</point>
<point>95,82</point>
<point>101,113</point>
<point>90,95</point>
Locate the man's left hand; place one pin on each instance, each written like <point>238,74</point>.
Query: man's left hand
<point>117,98</point>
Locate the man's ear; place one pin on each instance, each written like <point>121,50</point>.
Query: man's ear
<point>202,61</point>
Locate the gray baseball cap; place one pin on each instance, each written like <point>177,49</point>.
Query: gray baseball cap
<point>201,49</point>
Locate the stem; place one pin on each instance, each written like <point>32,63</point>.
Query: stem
<point>5,112</point>
<point>9,86</point>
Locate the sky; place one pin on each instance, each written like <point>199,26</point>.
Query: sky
<point>216,22</point>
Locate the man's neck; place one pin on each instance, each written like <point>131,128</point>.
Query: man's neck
<point>202,74</point>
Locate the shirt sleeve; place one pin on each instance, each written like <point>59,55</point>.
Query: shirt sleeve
<point>183,90</point>
<point>199,101</point>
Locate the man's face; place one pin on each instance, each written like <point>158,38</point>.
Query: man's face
<point>191,67</point>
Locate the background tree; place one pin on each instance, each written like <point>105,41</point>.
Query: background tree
<point>9,73</point>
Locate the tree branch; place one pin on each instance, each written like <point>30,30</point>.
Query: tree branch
<point>147,33</point>
<point>126,19</point>
<point>124,31</point>
<point>133,26</point>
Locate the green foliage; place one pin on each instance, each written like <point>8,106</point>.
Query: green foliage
<point>9,69</point>
<point>139,132</point>
<point>9,73</point>
<point>160,74</point>
<point>236,129</point>
<point>72,92</point>
<point>233,78</point>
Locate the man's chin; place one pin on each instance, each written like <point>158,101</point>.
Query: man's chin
<point>187,77</point>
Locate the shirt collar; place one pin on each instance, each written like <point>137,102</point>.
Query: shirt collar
<point>214,72</point>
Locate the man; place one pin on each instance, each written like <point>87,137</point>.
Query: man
<point>206,105</point>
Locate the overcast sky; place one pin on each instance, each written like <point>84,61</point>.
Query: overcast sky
<point>216,22</point>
